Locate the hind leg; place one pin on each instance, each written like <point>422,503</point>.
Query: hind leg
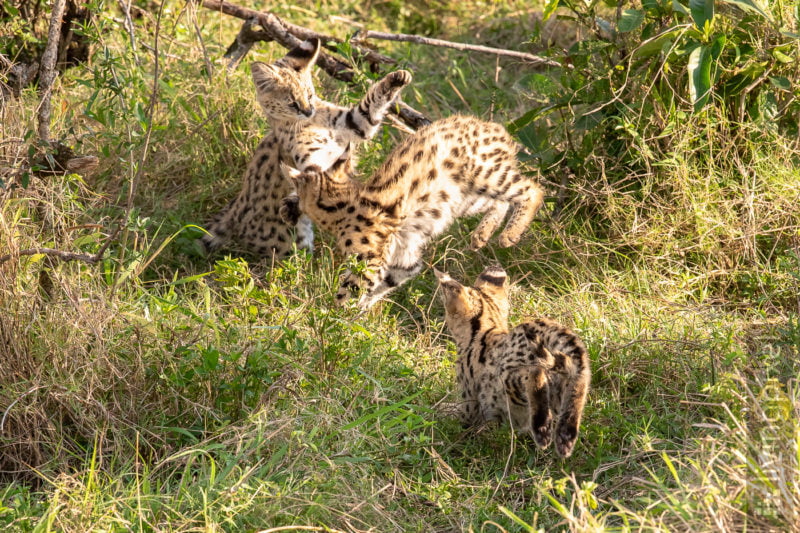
<point>573,400</point>
<point>491,221</point>
<point>526,202</point>
<point>539,407</point>
<point>220,228</point>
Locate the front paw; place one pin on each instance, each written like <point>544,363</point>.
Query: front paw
<point>290,210</point>
<point>398,79</point>
<point>542,436</point>
<point>566,435</point>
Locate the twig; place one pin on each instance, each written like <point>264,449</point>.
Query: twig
<point>128,23</point>
<point>418,39</point>
<point>146,148</point>
<point>47,70</point>
<point>66,256</point>
<point>209,67</point>
<point>8,409</point>
<point>300,528</point>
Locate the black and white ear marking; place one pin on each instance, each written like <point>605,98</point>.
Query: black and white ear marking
<point>303,57</point>
<point>494,275</point>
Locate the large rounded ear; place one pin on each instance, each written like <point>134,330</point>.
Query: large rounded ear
<point>264,76</point>
<point>304,56</point>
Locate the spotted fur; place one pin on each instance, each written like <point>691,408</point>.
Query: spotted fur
<point>453,167</point>
<point>535,375</point>
<point>308,133</point>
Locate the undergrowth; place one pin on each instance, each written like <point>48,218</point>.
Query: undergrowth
<point>161,390</point>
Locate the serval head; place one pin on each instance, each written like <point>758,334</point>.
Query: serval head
<point>284,89</point>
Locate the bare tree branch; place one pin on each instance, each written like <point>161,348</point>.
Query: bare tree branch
<point>418,39</point>
<point>245,39</point>
<point>300,32</point>
<point>47,73</point>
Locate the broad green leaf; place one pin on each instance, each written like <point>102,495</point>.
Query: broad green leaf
<point>750,5</point>
<point>781,82</point>
<point>650,5</point>
<point>699,69</point>
<point>630,20</point>
<point>679,8</point>
<point>549,9</point>
<point>783,58</point>
<point>702,11</point>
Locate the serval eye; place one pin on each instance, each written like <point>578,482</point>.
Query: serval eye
<point>295,106</point>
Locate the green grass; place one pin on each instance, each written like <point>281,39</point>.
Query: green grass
<point>163,391</point>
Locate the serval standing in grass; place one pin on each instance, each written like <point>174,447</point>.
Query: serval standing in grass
<point>536,375</point>
<point>453,167</point>
<point>307,132</point>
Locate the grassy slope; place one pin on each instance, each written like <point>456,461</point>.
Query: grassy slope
<point>158,391</point>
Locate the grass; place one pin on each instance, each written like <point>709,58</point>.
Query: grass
<point>163,391</point>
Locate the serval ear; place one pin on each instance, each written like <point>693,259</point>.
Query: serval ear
<point>442,277</point>
<point>456,300</point>
<point>304,56</point>
<point>290,172</point>
<point>265,76</point>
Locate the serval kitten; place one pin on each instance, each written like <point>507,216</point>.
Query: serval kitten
<point>307,132</point>
<point>453,167</point>
<point>536,375</point>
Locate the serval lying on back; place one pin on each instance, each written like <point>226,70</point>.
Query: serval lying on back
<point>307,132</point>
<point>536,375</point>
<point>453,167</point>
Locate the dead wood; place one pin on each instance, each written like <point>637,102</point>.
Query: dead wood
<point>47,73</point>
<point>300,32</point>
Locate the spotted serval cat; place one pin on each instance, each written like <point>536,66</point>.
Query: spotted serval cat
<point>453,167</point>
<point>307,132</point>
<point>536,375</point>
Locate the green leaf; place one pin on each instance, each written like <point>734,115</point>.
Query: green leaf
<point>702,11</point>
<point>716,46</point>
<point>630,20</point>
<point>655,44</point>
<point>783,58</point>
<point>549,9</point>
<point>699,69</point>
<point>781,82</point>
<point>749,5</point>
<point>679,8</point>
